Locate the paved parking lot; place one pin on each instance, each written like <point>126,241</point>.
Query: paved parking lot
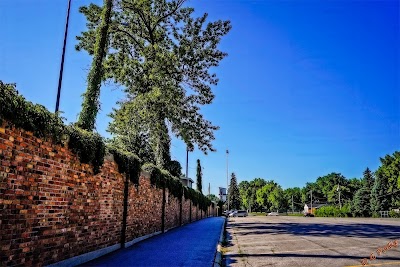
<point>297,241</point>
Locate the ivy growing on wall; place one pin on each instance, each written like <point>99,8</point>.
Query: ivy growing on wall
<point>89,146</point>
<point>161,178</point>
<point>28,116</point>
<point>128,163</point>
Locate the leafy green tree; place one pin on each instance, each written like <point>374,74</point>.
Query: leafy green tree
<point>390,169</point>
<point>130,135</point>
<point>213,197</point>
<point>243,190</point>
<point>162,55</point>
<point>368,179</point>
<point>362,198</point>
<point>265,197</point>
<point>277,199</point>
<point>233,193</point>
<point>91,103</point>
<point>354,185</point>
<point>248,193</point>
<point>379,194</point>
<point>199,177</point>
<point>361,203</point>
<point>385,192</point>
<point>297,201</point>
<point>175,168</point>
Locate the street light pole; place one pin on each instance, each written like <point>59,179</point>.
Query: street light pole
<point>62,58</point>
<point>187,162</point>
<point>227,180</point>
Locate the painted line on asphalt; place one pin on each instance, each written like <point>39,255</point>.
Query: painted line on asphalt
<point>374,264</point>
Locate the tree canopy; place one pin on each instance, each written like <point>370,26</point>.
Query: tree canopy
<point>162,55</point>
<point>364,196</point>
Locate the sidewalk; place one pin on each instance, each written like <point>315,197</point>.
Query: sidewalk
<point>190,245</point>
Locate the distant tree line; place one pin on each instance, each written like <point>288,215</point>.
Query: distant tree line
<point>361,197</point>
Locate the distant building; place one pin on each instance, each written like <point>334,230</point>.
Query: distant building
<point>222,194</point>
<point>187,181</point>
<point>315,206</point>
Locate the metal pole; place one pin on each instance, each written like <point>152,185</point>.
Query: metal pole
<point>227,175</point>
<point>187,162</point>
<point>62,58</point>
<point>311,202</point>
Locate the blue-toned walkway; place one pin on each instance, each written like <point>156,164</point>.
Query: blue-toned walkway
<point>190,245</point>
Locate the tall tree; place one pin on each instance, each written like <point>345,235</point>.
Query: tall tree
<point>361,203</point>
<point>233,193</point>
<point>386,190</point>
<point>362,198</point>
<point>91,102</point>
<point>368,179</point>
<point>199,177</point>
<point>162,55</point>
<point>379,194</point>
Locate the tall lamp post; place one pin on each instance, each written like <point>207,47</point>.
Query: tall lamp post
<point>227,179</point>
<point>62,58</point>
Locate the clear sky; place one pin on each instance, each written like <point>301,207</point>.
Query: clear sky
<point>308,88</point>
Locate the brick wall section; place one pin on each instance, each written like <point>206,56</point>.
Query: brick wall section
<point>144,209</point>
<point>172,211</point>
<point>54,208</point>
<point>185,211</point>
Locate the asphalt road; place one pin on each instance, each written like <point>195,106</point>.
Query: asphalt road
<point>190,245</point>
<point>297,241</point>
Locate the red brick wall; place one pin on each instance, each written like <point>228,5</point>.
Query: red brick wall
<point>54,208</point>
<point>172,210</point>
<point>186,211</point>
<point>144,209</point>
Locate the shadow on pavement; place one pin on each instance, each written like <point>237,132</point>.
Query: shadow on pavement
<point>315,229</point>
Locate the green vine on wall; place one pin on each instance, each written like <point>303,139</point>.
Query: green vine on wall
<point>28,116</point>
<point>128,163</point>
<point>35,118</point>
<point>89,146</point>
<point>161,178</point>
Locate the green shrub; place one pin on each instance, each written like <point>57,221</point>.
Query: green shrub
<point>28,116</point>
<point>393,214</point>
<point>333,211</point>
<point>128,163</point>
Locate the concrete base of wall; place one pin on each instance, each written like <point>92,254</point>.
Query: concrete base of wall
<point>85,257</point>
<point>136,240</point>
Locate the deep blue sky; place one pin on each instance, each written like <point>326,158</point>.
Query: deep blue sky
<point>308,88</point>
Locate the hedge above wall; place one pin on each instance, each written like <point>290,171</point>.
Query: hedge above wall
<point>89,146</point>
<point>162,178</point>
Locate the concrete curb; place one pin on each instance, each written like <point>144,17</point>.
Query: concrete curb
<point>218,255</point>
